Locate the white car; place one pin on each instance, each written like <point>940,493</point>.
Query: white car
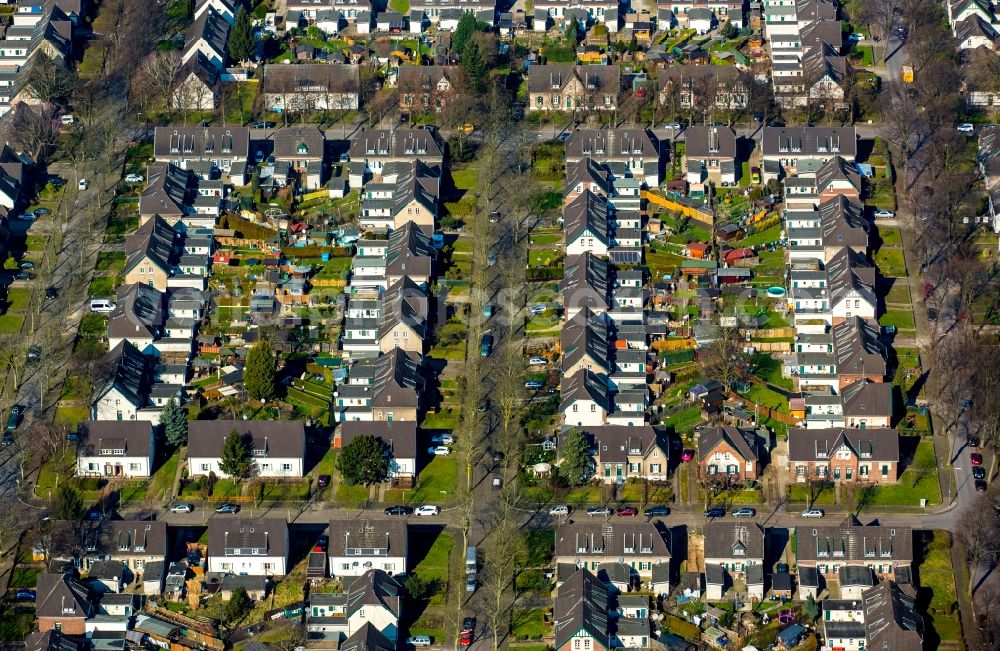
<point>559,509</point>
<point>427,509</point>
<point>439,451</point>
<point>537,361</point>
<point>181,508</point>
<point>133,178</point>
<point>967,128</point>
<point>884,214</point>
<point>82,185</point>
<point>538,309</point>
<point>813,513</point>
<point>419,640</point>
<point>443,439</point>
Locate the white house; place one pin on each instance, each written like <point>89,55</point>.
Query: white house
<point>113,448</point>
<point>277,447</point>
<point>585,221</point>
<point>255,547</point>
<point>126,394</point>
<point>851,281</point>
<point>586,399</point>
<point>358,545</point>
<point>398,437</point>
<point>209,36</point>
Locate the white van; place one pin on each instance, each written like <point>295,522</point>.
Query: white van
<point>101,306</point>
<point>419,640</point>
<point>68,119</point>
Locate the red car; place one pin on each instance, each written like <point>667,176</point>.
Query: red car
<point>466,638</point>
<point>687,455</point>
<point>976,458</point>
<point>628,511</point>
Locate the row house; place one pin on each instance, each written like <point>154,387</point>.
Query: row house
<point>385,388</point>
<point>784,149</point>
<point>886,550</point>
<point>628,152</point>
<point>587,225</point>
<point>731,453</point>
<point>407,253</point>
<point>277,448</point>
<point>590,282</point>
<point>864,404</point>
<point>399,319</point>
<point>843,455</point>
<point>126,395</point>
<point>151,254</point>
<point>882,616</point>
<point>711,87</point>
<point>224,148</point>
<point>734,550</point>
<point>300,157</point>
<point>311,87</point>
<point>248,546</point>
<point>370,607</point>
<point>373,149</point>
<point>710,156</point>
<point>590,399</point>
<point>581,614</point>
<point>573,88</point>
<point>638,546</point>
<point>208,36</point>
<point>409,192</point>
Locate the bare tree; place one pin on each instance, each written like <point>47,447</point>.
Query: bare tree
<point>35,133</point>
<point>724,358</point>
<point>48,80</point>
<point>160,70</point>
<point>880,15</point>
<point>503,562</point>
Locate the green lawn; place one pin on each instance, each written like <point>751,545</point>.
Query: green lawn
<point>111,261</point>
<point>464,176</point>
<point>766,236</point>
<point>919,481</point>
<point>435,485</point>
<point>899,293</point>
<point>902,319</point>
<point>686,419</point>
<point>890,235</point>
<point>890,263</point>
<point>529,624</point>
<point>10,324</point>
<point>546,238</point>
<point>71,415</point>
<point>862,55</point>
<point>163,478</point>
<point>23,576</point>
<point>767,397</point>
<point>544,257</point>
<point>102,287</point>
<point>351,494</point>
<point>435,565</point>
<point>443,419</point>
<point>937,577</point>
<point>800,493</point>
<point>18,299</point>
<point>660,262</point>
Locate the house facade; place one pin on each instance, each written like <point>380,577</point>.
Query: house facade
<point>255,547</point>
<point>115,449</point>
<point>276,447</point>
<point>359,545</point>
<point>843,455</point>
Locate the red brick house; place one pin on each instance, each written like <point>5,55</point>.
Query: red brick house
<point>843,455</point>
<point>63,604</point>
<point>729,452</point>
<point>425,88</point>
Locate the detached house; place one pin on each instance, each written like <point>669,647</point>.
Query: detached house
<point>371,605</point>
<point>573,88</point>
<point>276,447</point>
<point>843,455</point>
<point>623,453</point>
<point>254,547</point>
<point>425,88</point>
<point>581,614</point>
<point>359,545</point>
<point>115,449</point>
<point>730,453</point>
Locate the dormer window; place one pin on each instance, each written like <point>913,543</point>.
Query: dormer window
<point>303,148</point>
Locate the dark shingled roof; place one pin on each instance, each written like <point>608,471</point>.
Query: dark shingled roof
<point>588,171</point>
<point>131,373</point>
<point>375,588</point>
<point>586,334</point>
<point>856,575</point>
<point>891,619</point>
<point>855,543</point>
<point>153,240</point>
<point>581,606</point>
<point>611,144</point>
<point>368,533</point>
<point>201,142</point>
<point>397,381</point>
<point>135,437</point>
<point>705,142</point>
<point>299,143</point>
<point>277,438</point>
<point>723,538</point>
<point>614,443</point>
<point>404,302</point>
<point>367,638</point>
<point>138,313</point>
<point>410,251</point>
<point>876,444</point>
<point>61,596</point>
<point>744,441</point>
<point>785,142</point>
<point>858,349</point>
<point>848,270</point>
<point>269,534</point>
<point>868,399</point>
<point>586,213</point>
<point>310,78</point>
<point>404,144</point>
<point>586,385</point>
<point>610,540</point>
<point>555,78</point>
<point>586,282</point>
<point>400,437</point>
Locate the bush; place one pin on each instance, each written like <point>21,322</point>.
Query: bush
<point>91,483</point>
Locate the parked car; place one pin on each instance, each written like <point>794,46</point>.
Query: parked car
<point>932,314</point>
<point>23,275</point>
<point>559,509</point>
<point>14,417</point>
<point>419,640</point>
<point>976,459</point>
<point>427,509</point>
<point>443,439</point>
<point>227,508</point>
<point>539,308</point>
<point>628,512</point>
<point>884,214</point>
<point>980,485</point>
<point>972,441</point>
<point>83,184</point>
<point>398,510</point>
<point>182,508</point>
<point>966,128</point>
<point>533,385</point>
<point>469,625</point>
<point>259,157</point>
<point>978,472</point>
<point>715,513</point>
<point>323,481</point>
<point>133,178</point>
<point>537,361</point>
<point>8,439</point>
<point>34,354</point>
<point>27,265</point>
<point>599,510</point>
<point>25,594</point>
<point>745,512</point>
<point>28,215</point>
<point>813,513</point>
<point>656,512</point>
<point>439,451</point>
<point>471,584</point>
<point>687,455</point>
<point>51,292</point>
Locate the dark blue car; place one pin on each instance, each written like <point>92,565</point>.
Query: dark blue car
<point>715,513</point>
<point>25,595</point>
<point>656,512</point>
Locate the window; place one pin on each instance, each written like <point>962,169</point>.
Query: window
<point>205,467</point>
<point>287,467</point>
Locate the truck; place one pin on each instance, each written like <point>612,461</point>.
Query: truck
<point>907,74</point>
<point>471,562</point>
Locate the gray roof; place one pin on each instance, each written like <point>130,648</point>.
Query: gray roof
<point>130,374</point>
<point>891,619</point>
<point>375,588</point>
<point>586,213</point>
<point>367,638</point>
<point>422,79</point>
<point>581,607</point>
<point>856,575</point>
<point>155,240</point>
<point>615,443</point>
<point>586,335</point>
<point>704,142</point>
<point>299,143</point>
<point>700,13</point>
<point>100,437</point>
<point>212,28</point>
<point>371,535</point>
<point>587,281</point>
<point>555,78</point>
<point>858,349</point>
<point>821,444</point>
<point>399,437</point>
<point>743,441</point>
<point>838,169</point>
<point>788,142</point>
<point>611,540</point>
<point>168,191</point>
<point>724,539</point>
<point>201,142</point>
<point>848,270</point>
<point>138,312</point>
<point>276,439</point>
<point>854,543</point>
<point>234,536</point>
<point>63,597</point>
<point>611,144</point>
<point>397,380</point>
<point>310,78</point>
<point>410,252</point>
<point>404,302</point>
<point>867,398</point>
<point>842,222</point>
<point>402,144</point>
<point>587,385</point>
